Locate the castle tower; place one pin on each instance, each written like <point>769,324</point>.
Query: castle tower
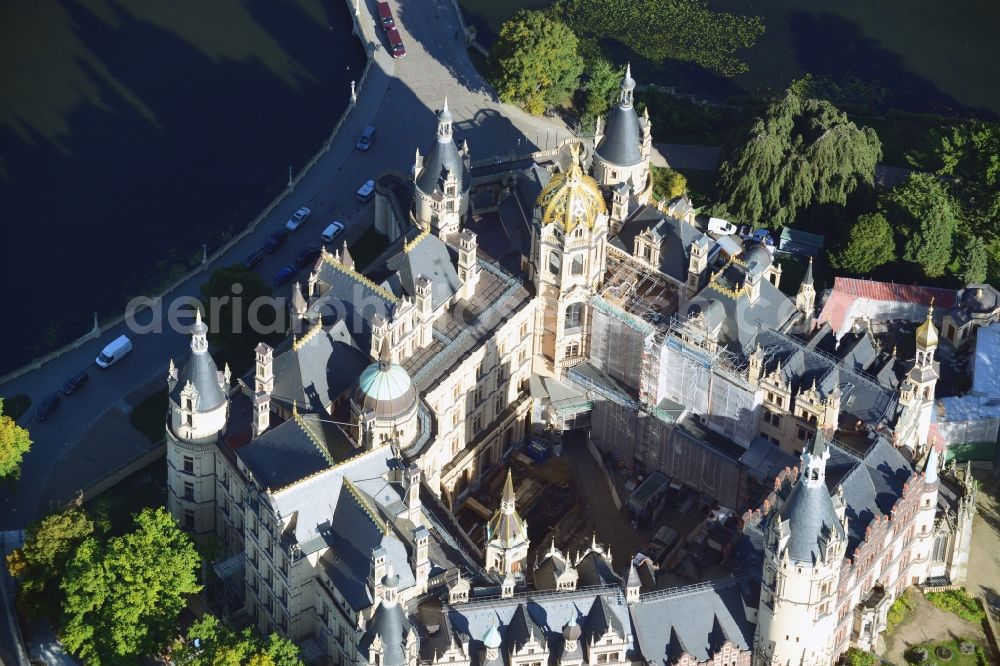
<point>623,146</point>
<point>389,639</point>
<point>384,404</point>
<point>926,513</point>
<point>805,542</point>
<point>442,181</point>
<point>506,535</point>
<point>198,411</point>
<point>568,257</point>
<point>917,391</point>
<point>805,300</point>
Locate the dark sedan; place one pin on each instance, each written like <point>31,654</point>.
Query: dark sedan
<point>74,383</point>
<point>284,275</point>
<point>48,406</point>
<point>254,258</point>
<point>307,256</point>
<point>275,240</point>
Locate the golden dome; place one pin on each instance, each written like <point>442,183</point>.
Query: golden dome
<point>927,335</point>
<point>571,198</point>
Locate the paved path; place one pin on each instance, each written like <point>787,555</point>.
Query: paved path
<point>397,98</point>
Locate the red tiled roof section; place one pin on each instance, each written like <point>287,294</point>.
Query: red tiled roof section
<point>944,299</point>
<point>835,308</point>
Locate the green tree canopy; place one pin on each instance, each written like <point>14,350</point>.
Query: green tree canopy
<point>973,260</point>
<point>969,156</point>
<point>870,244</point>
<point>603,82</point>
<point>123,597</point>
<point>667,183</point>
<point>229,298</point>
<point>40,563</point>
<point>802,153</point>
<point>535,62</point>
<point>14,443</point>
<point>667,29</point>
<point>219,645</point>
<point>927,216</point>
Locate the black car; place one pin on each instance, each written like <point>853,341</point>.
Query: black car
<point>47,407</point>
<point>254,258</point>
<point>75,382</point>
<point>275,240</point>
<point>307,256</point>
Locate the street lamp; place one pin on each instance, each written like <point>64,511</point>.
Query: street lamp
<point>354,94</point>
<point>289,175</point>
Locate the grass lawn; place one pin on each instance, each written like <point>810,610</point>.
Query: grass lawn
<point>16,405</point>
<point>957,658</point>
<point>149,416</point>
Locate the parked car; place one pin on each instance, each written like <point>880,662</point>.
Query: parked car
<point>385,16</point>
<point>762,236</point>
<point>331,232</point>
<point>366,191</point>
<point>717,225</point>
<point>396,48</point>
<point>275,240</point>
<point>114,352</point>
<point>75,382</point>
<point>298,218</point>
<point>745,231</point>
<point>284,275</point>
<point>307,256</point>
<point>366,138</point>
<point>48,406</point>
<point>254,258</point>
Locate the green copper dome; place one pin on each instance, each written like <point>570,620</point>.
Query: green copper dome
<point>386,389</point>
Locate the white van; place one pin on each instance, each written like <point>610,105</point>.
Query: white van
<point>331,232</point>
<point>716,225</point>
<point>114,352</point>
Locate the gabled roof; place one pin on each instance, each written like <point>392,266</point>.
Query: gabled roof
<point>600,620</point>
<point>318,368</point>
<point>873,488</point>
<point>523,629</point>
<point>427,255</point>
<point>298,448</point>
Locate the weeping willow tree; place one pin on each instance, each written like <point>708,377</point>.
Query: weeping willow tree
<point>660,29</point>
<point>803,152</point>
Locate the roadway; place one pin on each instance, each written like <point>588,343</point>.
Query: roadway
<point>398,98</point>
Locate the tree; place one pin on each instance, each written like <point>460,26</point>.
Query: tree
<point>123,597</point>
<point>657,30</point>
<point>667,183</point>
<point>14,443</point>
<point>973,261</point>
<point>535,62</point>
<point>211,643</point>
<point>856,657</point>
<point>239,312</point>
<point>801,153</point>
<point>40,562</point>
<point>603,82</point>
<point>870,244</point>
<point>969,156</point>
<point>927,216</point>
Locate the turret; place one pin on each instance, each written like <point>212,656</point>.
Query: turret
<point>623,146</point>
<point>805,300</point>
<point>506,535</point>
<point>442,181</point>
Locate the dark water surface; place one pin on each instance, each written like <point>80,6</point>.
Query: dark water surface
<point>134,131</point>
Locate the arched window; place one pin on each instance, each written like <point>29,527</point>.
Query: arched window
<point>577,266</point>
<point>574,316</point>
<point>554,263</point>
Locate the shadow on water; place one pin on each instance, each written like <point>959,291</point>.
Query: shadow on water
<point>831,46</point>
<point>133,133</point>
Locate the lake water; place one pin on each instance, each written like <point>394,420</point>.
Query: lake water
<point>134,131</point>
<point>929,55</point>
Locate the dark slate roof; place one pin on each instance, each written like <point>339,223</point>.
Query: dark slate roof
<point>743,320</point>
<point>390,625</point>
<point>872,488</point>
<point>675,237</point>
<point>811,520</point>
<point>291,451</point>
<point>600,619</point>
<point>427,256</point>
<point>346,295</point>
<point>622,137</point>
<point>695,620</point>
<point>523,629</point>
<point>443,157</point>
<point>593,569</point>
<point>202,372</point>
<point>319,369</point>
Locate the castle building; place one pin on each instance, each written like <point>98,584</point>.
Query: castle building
<point>557,296</point>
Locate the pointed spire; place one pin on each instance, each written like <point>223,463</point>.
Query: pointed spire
<point>299,305</point>
<point>345,257</point>
<point>444,124</point>
<point>628,86</point>
<point>808,279</point>
<point>931,468</point>
<point>199,333</point>
<point>384,358</point>
<point>927,335</point>
<point>508,498</point>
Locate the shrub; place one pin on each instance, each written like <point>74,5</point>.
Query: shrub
<point>958,602</point>
<point>856,657</point>
<point>898,610</point>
